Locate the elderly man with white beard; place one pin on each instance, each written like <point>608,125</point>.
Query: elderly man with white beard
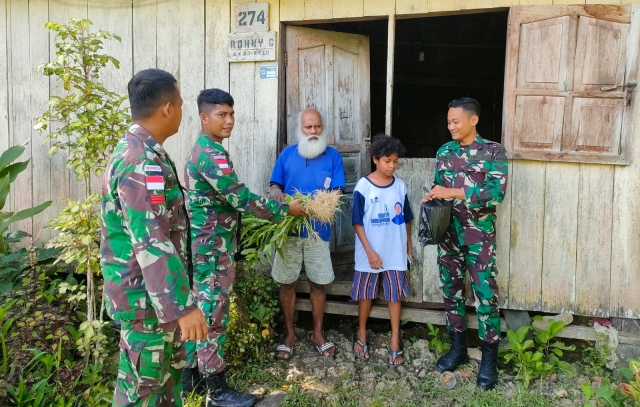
<point>306,167</point>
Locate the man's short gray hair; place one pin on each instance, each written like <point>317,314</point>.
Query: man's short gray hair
<point>309,109</point>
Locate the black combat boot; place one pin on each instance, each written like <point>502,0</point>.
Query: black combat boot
<point>191,381</point>
<point>221,395</point>
<point>488,370</point>
<point>456,356</point>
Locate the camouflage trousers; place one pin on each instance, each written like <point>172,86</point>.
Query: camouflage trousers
<point>152,357</point>
<point>454,261</point>
<point>213,282</point>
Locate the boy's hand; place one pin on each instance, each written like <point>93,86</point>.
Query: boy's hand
<point>374,260</point>
<point>410,252</point>
<point>296,208</point>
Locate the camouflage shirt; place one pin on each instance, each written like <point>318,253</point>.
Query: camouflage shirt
<point>144,232</point>
<point>480,169</point>
<point>216,197</point>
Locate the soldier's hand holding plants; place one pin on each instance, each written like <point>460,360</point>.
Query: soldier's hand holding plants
<point>193,325</point>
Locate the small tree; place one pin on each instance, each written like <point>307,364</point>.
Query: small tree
<point>91,119</point>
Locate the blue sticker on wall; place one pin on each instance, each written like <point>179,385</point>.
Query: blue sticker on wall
<point>268,71</point>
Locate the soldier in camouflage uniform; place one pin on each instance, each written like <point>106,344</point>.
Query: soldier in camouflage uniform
<point>473,173</point>
<point>143,249</point>
<point>216,198</point>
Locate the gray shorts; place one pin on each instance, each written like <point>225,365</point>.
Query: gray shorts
<point>316,256</point>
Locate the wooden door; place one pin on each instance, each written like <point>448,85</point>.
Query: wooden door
<point>570,74</point>
<point>330,72</point>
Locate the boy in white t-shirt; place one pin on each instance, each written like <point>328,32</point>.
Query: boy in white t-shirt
<point>381,218</point>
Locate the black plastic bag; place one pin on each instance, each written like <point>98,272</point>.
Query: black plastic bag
<point>435,217</point>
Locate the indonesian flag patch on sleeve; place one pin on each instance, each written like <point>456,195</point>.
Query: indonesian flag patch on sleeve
<point>155,182</point>
<point>222,163</point>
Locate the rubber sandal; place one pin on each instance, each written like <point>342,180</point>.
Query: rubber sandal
<point>284,348</point>
<point>395,355</point>
<point>364,346</point>
<point>324,347</point>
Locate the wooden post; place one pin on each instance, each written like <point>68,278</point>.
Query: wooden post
<point>391,43</point>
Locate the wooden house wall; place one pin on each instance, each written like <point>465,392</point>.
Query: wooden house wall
<point>568,234</point>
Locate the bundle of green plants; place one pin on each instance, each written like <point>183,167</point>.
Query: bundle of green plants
<point>260,237</point>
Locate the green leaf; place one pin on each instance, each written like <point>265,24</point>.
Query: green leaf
<point>5,186</point>
<point>14,169</point>
<point>521,333</point>
<point>24,214</point>
<point>11,154</point>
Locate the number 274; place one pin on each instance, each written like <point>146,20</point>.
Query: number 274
<point>245,15</point>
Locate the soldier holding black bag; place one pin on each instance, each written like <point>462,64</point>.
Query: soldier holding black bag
<point>471,175</point>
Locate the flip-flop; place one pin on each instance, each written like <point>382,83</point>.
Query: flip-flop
<point>324,347</point>
<point>364,346</point>
<point>395,355</point>
<point>286,349</point>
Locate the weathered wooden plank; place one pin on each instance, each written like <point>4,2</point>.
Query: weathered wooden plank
<point>63,184</point>
<point>535,2</point>
<point>20,73</point>
<point>318,9</point>
<point>264,132</point>
<point>560,237</point>
<point>190,74</point>
<point>625,255</point>
<point>435,6</point>
<point>412,171</point>
<point>241,143</point>
<point>378,7</point>
<point>39,94</point>
<point>4,84</point>
<point>568,2</point>
<point>342,288</point>
<point>604,2</point>
<point>118,19</point>
<point>503,238</point>
<point>217,30</point>
<point>527,223</point>
<point>480,4</point>
<point>291,10</point>
<point>595,217</point>
<point>348,9</point>
<point>391,45</point>
<point>585,333</point>
<point>145,20</point>
<point>412,6</point>
<point>168,37</point>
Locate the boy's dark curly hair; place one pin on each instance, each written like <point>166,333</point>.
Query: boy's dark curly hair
<point>383,145</point>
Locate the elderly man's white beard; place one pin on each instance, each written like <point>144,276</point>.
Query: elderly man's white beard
<point>311,149</point>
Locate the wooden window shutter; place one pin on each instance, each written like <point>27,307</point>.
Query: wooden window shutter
<point>569,80</point>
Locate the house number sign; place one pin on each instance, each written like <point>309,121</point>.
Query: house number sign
<point>251,17</point>
<point>251,39</point>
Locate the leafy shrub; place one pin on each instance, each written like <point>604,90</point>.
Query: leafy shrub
<point>594,360</point>
<point>537,358</point>
<point>253,310</point>
<point>438,344</point>
<point>632,388</point>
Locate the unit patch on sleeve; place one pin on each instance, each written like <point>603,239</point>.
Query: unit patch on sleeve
<point>152,168</point>
<point>156,199</point>
<point>222,163</point>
